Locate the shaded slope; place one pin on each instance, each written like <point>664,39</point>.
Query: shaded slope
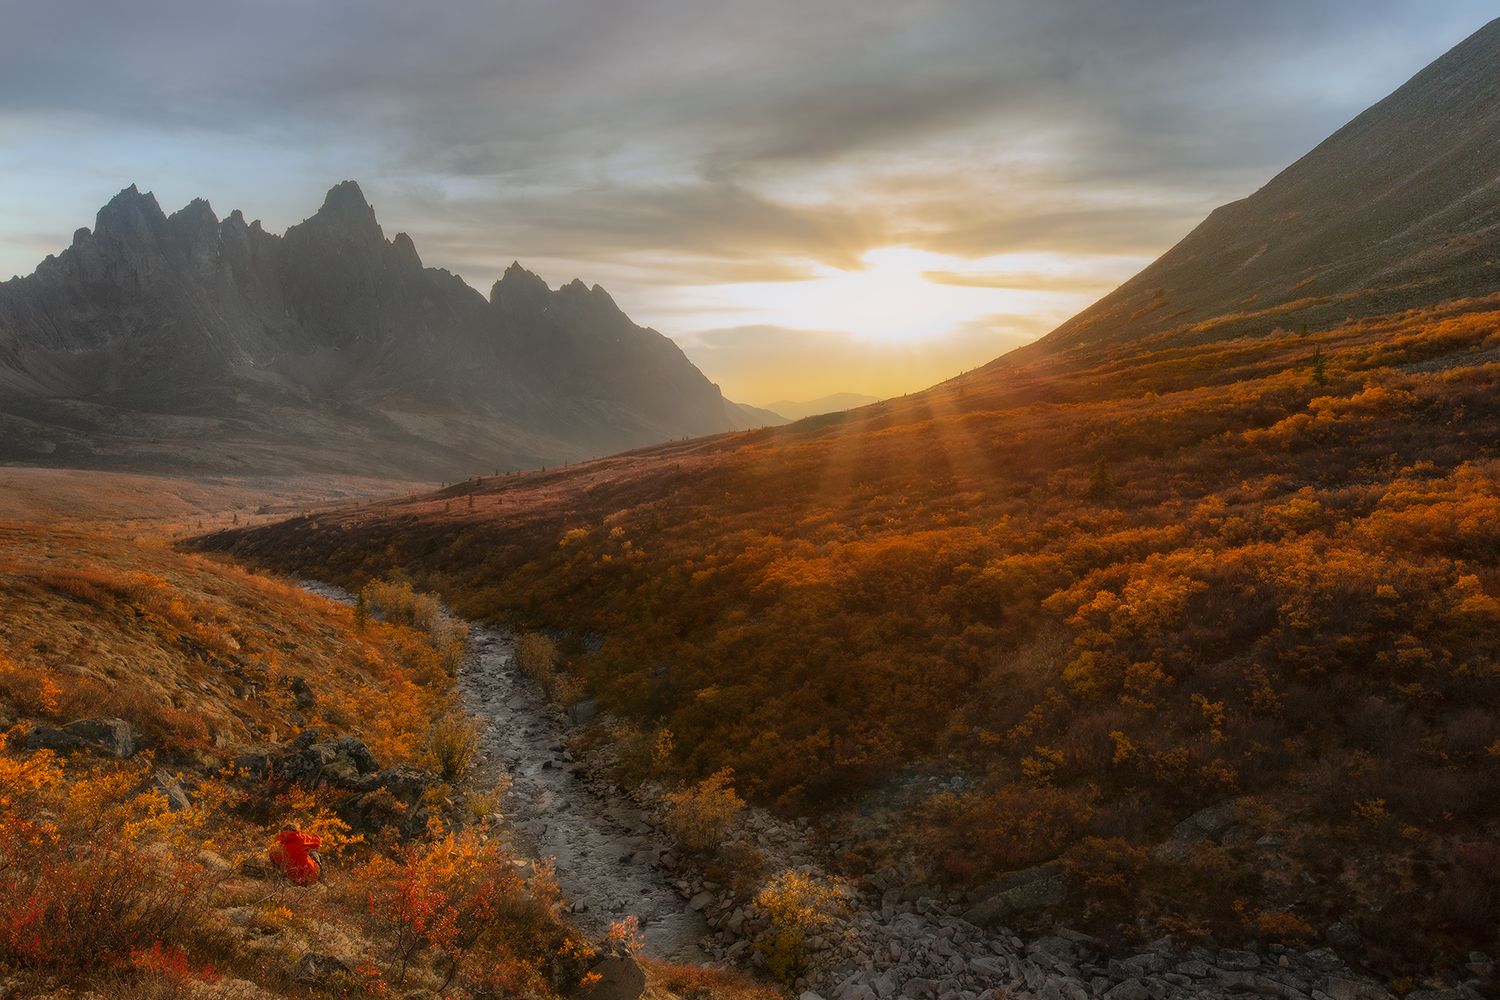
<point>1399,208</point>
<point>180,341</point>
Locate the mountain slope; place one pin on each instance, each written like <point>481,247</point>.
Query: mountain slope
<point>747,417</point>
<point>1204,623</point>
<point>180,341</point>
<point>1399,208</point>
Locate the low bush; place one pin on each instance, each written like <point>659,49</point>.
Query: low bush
<point>699,817</point>
<point>798,906</point>
<point>452,743</point>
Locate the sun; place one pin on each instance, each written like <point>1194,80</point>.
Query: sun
<point>893,298</point>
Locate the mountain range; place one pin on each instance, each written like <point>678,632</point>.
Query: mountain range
<point>184,342</point>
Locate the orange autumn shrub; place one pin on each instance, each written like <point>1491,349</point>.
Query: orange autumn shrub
<point>460,903</point>
<point>90,873</point>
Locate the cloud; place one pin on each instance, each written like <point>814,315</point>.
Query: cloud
<point>1035,281</point>
<point>654,144</point>
<point>721,222</point>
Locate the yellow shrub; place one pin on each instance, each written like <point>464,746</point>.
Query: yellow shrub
<point>700,816</point>
<point>452,742</point>
<point>536,655</point>
<point>798,906</point>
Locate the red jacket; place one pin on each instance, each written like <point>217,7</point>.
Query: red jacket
<point>290,856</point>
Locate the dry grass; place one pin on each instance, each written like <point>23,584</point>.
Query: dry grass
<point>106,887</point>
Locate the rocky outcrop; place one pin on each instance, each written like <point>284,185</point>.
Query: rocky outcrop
<point>111,737</point>
<point>183,341</point>
<point>379,797</point>
<point>1020,892</point>
<point>613,977</point>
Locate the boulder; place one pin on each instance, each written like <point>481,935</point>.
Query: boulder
<point>620,978</point>
<point>1205,824</point>
<point>255,766</point>
<point>112,737</point>
<point>316,969</point>
<point>302,695</point>
<point>169,786</point>
<point>378,809</point>
<point>581,713</point>
<point>406,782</point>
<point>311,760</point>
<point>1130,989</point>
<point>1029,889</point>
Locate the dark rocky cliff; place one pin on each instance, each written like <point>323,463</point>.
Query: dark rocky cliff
<point>184,342</point>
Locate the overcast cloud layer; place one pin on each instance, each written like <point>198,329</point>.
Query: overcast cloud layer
<point>778,185</point>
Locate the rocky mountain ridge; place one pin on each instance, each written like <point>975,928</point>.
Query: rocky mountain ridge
<point>185,342</point>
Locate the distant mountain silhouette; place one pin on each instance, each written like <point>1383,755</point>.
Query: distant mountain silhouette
<point>1398,209</point>
<point>837,402</point>
<point>188,343</point>
<point>746,417</point>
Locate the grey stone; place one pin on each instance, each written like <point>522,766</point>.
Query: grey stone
<point>112,737</point>
<point>1203,825</point>
<point>1130,989</point>
<point>1019,892</point>
<point>316,969</point>
<point>620,978</point>
<point>177,799</point>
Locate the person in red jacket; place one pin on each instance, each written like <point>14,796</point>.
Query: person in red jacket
<point>294,854</point>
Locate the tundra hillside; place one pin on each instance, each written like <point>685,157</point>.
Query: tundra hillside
<point>164,716</point>
<point>1262,572</point>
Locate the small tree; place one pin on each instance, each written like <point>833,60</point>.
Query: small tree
<point>700,816</point>
<point>1319,368</point>
<point>798,906</point>
<point>1101,482</point>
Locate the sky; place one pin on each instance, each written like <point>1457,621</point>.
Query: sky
<point>809,196</point>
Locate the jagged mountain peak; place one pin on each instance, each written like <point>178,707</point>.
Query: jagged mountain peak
<point>344,215</point>
<point>130,215</point>
<point>401,368</point>
<point>346,197</point>
<point>404,252</point>
<point>519,289</point>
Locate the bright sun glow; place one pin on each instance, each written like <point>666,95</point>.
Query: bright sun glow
<point>900,295</point>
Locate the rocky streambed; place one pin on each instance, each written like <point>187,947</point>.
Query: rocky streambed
<point>609,856</point>
<point>894,941</point>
